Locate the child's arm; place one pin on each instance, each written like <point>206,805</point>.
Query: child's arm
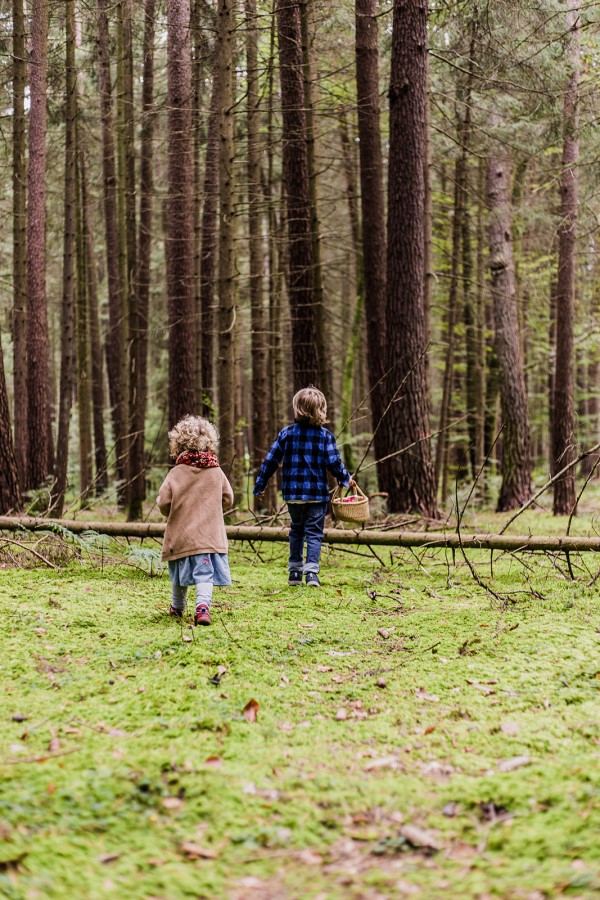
<point>271,461</point>
<point>227,493</point>
<point>334,462</point>
<point>165,496</point>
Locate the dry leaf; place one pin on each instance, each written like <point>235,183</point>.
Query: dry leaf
<point>422,694</point>
<point>385,762</point>
<point>171,803</point>
<point>341,714</point>
<point>324,668</point>
<point>420,837</point>
<point>195,851</point>
<point>250,711</point>
<point>384,633</point>
<point>515,762</point>
<point>214,761</point>
<point>108,858</point>
<point>510,728</point>
<point>54,745</point>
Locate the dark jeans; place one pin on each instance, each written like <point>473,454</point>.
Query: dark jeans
<point>306,526</point>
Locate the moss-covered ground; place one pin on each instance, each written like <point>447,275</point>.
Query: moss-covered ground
<point>412,735</point>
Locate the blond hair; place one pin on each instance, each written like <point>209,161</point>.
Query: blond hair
<point>193,433</point>
<point>310,403</point>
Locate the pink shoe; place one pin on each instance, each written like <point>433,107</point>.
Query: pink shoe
<point>202,616</point>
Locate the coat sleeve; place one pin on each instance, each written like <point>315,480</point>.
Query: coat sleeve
<point>271,461</point>
<point>334,462</point>
<point>227,493</point>
<point>165,496</point>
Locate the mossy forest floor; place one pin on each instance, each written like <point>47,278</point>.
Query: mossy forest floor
<point>413,736</point>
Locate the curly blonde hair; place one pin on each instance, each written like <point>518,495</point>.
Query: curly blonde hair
<point>310,403</point>
<point>193,433</point>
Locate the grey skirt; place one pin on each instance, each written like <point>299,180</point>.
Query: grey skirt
<point>201,568</point>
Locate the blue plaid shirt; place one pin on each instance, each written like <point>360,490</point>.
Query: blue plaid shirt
<point>307,452</point>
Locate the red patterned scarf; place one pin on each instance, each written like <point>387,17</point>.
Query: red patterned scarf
<point>198,459</point>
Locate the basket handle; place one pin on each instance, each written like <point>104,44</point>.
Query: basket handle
<point>356,491</point>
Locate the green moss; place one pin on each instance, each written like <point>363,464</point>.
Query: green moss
<point>335,761</point>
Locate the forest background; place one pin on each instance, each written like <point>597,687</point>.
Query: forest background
<point>209,205</point>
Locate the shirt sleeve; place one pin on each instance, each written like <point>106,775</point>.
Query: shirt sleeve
<point>334,461</point>
<point>165,496</point>
<point>271,461</point>
<point>227,493</point>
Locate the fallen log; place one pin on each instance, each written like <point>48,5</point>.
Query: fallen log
<point>427,539</point>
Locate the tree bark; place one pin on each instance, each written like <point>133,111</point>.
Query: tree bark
<point>19,317</point>
<point>227,312</point>
<point>372,200</point>
<point>38,351</point>
<point>67,361</point>
<point>516,453</point>
<point>409,477</point>
<point>259,348</point>
<point>10,492</point>
<point>84,361</point>
<point>141,288</point>
<point>180,237</point>
<point>563,437</point>
<point>208,253</point>
<point>305,364</point>
<point>114,346</point>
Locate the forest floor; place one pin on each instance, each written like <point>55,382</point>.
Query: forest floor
<point>399,732</point>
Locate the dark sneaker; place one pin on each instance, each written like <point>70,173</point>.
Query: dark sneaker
<point>178,613</point>
<point>295,578</point>
<point>202,616</point>
<point>312,580</point>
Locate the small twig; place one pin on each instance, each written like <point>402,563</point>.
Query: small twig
<point>29,550</point>
<point>38,759</point>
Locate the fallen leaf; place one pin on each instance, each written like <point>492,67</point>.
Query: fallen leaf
<point>195,851</point>
<point>54,745</point>
<point>510,728</point>
<point>420,838</point>
<point>341,714</point>
<point>384,633</point>
<point>108,858</point>
<point>381,683</point>
<point>515,762</point>
<point>324,668</point>
<point>308,857</point>
<point>250,711</point>
<point>172,803</point>
<point>385,762</point>
<point>422,694</point>
<point>19,717</point>
<point>450,809</point>
<point>116,732</point>
<point>214,761</point>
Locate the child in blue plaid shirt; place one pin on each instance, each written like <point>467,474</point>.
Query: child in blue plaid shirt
<point>307,451</point>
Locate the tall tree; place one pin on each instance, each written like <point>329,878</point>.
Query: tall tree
<point>10,493</point>
<point>115,348</point>
<point>260,384</point>
<point>297,195</point>
<point>563,424</point>
<point>141,288</point>
<point>516,446</point>
<point>409,476</point>
<point>67,355</point>
<point>372,201</point>
<point>38,353</point>
<point>180,237</point>
<point>19,320</point>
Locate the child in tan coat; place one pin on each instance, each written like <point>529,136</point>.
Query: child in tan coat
<point>193,496</point>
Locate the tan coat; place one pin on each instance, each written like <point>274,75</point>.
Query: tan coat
<point>193,501</point>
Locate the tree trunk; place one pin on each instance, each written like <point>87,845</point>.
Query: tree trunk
<point>115,348</point>
<point>305,367</point>
<point>38,352</point>
<point>10,493</point>
<point>67,357</point>
<point>84,362</point>
<point>97,379</point>
<point>563,438</point>
<point>227,312</point>
<point>141,289</point>
<point>516,452</point>
<point>372,201</point>
<point>19,317</point>
<point>259,348</point>
<point>180,237</point>
<point>321,319</point>
<point>409,477</point>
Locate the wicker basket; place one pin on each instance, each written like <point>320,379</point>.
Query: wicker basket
<point>354,508</point>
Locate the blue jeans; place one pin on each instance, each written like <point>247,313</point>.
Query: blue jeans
<point>306,527</point>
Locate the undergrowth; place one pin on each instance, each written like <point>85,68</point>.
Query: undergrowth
<point>409,735</point>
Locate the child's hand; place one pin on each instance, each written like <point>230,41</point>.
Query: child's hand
<point>352,482</point>
<point>260,497</point>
